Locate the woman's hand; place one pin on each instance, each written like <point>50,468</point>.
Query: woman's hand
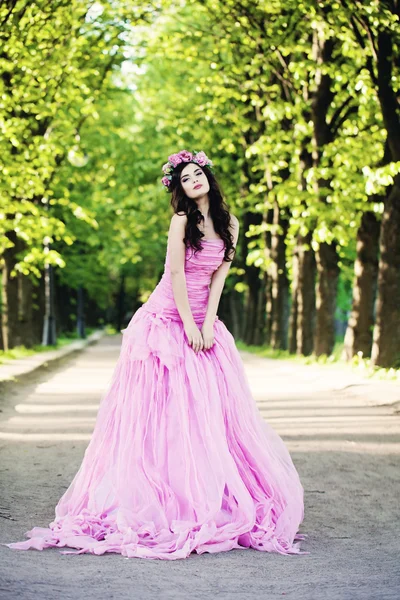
<point>194,336</point>
<point>207,331</point>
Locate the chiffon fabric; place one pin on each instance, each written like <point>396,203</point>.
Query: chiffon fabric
<point>180,459</point>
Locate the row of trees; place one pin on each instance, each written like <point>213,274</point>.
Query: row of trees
<point>60,63</point>
<point>296,102</point>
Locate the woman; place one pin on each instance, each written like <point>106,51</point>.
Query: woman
<point>180,459</point>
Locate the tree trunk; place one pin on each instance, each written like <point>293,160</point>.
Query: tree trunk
<point>252,278</point>
<point>235,310</point>
<point>294,304</point>
<point>306,308</point>
<point>267,280</point>
<point>49,337</point>
<point>358,336</point>
<point>327,258</point>
<point>268,309</point>
<point>280,283</point>
<point>121,303</point>
<point>95,315</point>
<point>80,312</point>
<point>386,339</point>
<point>328,276</point>
<point>9,292</point>
<point>25,335</point>
<point>303,337</point>
<point>252,304</point>
<point>38,308</point>
<point>260,318</point>
<point>65,305</point>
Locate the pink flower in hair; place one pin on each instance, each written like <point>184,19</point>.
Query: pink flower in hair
<point>202,159</point>
<point>175,160</point>
<point>185,155</point>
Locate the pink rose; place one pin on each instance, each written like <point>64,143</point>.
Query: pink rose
<point>175,159</point>
<point>165,181</point>
<point>166,168</point>
<point>201,159</point>
<point>185,155</point>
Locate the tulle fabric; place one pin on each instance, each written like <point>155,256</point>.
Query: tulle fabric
<point>180,459</point>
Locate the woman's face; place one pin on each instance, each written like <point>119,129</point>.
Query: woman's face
<point>194,181</point>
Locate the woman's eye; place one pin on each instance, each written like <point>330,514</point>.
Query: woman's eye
<point>197,174</point>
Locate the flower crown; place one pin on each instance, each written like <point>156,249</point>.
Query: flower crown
<point>183,156</point>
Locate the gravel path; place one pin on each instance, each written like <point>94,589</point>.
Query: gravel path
<point>344,439</point>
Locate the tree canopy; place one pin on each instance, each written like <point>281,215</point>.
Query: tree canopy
<point>296,103</point>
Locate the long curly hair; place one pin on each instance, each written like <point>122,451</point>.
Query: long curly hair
<point>218,211</point>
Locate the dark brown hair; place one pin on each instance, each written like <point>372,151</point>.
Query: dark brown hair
<point>218,211</point>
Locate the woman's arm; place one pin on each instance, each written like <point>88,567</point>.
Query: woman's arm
<point>178,279</point>
<point>216,287</point>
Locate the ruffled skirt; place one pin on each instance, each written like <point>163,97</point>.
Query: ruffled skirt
<point>180,459</point>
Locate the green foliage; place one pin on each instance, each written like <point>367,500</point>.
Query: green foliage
<point>362,366</point>
<point>95,96</point>
<point>55,59</point>
<point>22,352</point>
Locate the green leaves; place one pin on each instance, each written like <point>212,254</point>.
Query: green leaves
<point>95,96</point>
<point>55,59</point>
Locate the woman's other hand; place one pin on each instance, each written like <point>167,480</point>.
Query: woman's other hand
<point>194,336</point>
<point>207,331</point>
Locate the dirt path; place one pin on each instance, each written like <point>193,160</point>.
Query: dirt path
<point>345,444</point>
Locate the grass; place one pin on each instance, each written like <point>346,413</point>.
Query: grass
<point>22,351</point>
<point>110,329</point>
<point>362,365</point>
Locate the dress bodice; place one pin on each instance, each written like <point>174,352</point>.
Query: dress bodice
<point>199,267</point>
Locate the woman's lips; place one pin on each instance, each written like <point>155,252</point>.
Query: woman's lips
<point>196,187</point>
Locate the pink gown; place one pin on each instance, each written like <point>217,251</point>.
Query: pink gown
<point>180,459</point>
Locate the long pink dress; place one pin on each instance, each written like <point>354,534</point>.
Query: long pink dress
<point>180,459</point>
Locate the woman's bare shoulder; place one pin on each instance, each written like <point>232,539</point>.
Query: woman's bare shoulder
<point>234,221</point>
<point>179,217</point>
<point>177,226</point>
